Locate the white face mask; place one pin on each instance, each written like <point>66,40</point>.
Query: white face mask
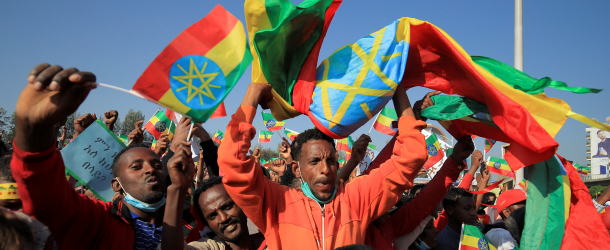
<point>140,204</point>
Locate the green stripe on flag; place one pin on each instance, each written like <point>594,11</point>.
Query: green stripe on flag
<point>373,147</point>
<point>389,113</point>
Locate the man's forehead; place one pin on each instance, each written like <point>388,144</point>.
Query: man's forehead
<point>137,153</point>
<point>315,148</point>
<point>214,196</point>
<point>465,200</point>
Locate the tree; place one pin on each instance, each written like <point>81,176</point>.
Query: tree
<point>594,189</point>
<point>3,120</point>
<point>129,122</point>
<point>9,126</point>
<point>70,125</point>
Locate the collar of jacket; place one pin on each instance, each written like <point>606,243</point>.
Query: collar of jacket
<point>120,210</point>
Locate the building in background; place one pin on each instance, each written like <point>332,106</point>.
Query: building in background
<point>599,150</point>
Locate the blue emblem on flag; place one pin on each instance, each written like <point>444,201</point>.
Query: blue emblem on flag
<point>270,124</point>
<point>497,165</point>
<point>197,82</point>
<point>482,243</point>
<point>160,126</point>
<point>358,80</point>
<point>432,151</point>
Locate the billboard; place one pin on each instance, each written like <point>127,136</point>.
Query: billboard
<point>600,149</point>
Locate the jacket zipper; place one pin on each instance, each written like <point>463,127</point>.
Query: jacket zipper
<point>323,239</point>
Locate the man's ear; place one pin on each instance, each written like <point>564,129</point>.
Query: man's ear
<point>506,212</point>
<point>449,210</point>
<point>114,184</point>
<point>294,166</point>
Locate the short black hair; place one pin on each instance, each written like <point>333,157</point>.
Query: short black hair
<point>486,196</point>
<point>5,169</point>
<point>453,195</point>
<point>415,188</point>
<point>287,178</point>
<point>115,161</point>
<point>310,134</point>
<point>515,223</point>
<point>203,186</point>
<point>355,247</point>
<point>599,131</point>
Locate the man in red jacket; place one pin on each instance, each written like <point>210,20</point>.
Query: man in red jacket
<point>76,221</point>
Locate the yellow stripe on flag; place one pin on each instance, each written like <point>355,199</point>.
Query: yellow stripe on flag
<point>474,242</point>
<point>229,52</point>
<point>170,101</point>
<point>256,20</point>
<point>386,121</point>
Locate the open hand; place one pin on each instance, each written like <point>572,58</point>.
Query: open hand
<point>181,167</point>
<point>51,94</point>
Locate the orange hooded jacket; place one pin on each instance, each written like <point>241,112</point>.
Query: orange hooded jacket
<point>289,219</point>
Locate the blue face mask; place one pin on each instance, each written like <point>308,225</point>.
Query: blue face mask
<point>149,208</point>
<point>307,191</point>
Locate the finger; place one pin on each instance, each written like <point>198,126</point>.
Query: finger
<point>138,124</point>
<point>61,79</point>
<point>94,117</point>
<point>44,78</point>
<point>83,77</point>
<point>433,94</point>
<point>36,70</point>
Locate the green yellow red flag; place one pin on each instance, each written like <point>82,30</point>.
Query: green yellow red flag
<point>264,136</point>
<point>197,70</point>
<point>291,134</point>
<point>160,124</point>
<point>499,166</point>
<point>473,239</point>
<point>271,123</point>
<point>383,124</point>
<point>435,152</point>
<point>218,136</point>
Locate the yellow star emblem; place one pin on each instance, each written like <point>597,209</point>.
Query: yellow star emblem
<point>204,78</point>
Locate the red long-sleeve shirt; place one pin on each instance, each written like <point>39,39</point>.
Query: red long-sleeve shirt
<point>442,220</point>
<point>409,216</point>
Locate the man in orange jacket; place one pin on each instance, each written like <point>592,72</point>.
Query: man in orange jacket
<point>323,215</point>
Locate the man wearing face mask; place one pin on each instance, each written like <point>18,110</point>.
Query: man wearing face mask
<point>76,221</point>
<point>323,215</point>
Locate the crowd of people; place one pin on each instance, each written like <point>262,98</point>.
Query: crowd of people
<point>227,200</point>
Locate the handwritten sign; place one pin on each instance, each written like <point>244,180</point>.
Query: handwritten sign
<point>366,161</point>
<point>89,158</point>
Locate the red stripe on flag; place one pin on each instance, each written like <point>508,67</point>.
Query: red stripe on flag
<point>384,129</point>
<point>219,112</point>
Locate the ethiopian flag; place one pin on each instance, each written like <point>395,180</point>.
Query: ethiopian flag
<point>488,144</point>
<point>581,169</point>
<point>499,166</point>
<point>264,136</point>
<point>154,144</point>
<point>197,70</point>
<point>124,139</point>
<point>345,144</point>
<point>271,123</point>
<point>383,124</point>
<point>291,134</point>
<point>285,41</point>
<point>473,239</point>
<point>160,124</point>
<point>435,152</point>
<point>218,136</point>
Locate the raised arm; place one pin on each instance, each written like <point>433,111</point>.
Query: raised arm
<point>411,214</point>
<point>358,153</point>
<point>382,188</point>
<point>208,149</point>
<point>52,94</point>
<point>244,181</point>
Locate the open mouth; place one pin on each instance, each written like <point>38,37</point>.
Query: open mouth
<point>230,228</point>
<point>152,180</point>
<point>324,186</point>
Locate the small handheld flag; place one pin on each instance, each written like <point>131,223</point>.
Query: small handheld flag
<point>435,153</point>
<point>271,123</point>
<point>160,124</point>
<point>345,144</point>
<point>124,139</point>
<point>196,71</point>
<point>154,144</point>
<point>488,144</point>
<point>472,238</point>
<point>383,124</point>
<point>581,169</point>
<point>218,136</point>
<point>264,136</point>
<point>291,134</point>
<point>499,166</point>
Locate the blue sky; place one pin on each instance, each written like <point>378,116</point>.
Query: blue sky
<point>566,40</point>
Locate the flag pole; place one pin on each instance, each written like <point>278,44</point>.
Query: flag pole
<point>519,174</point>
<point>188,137</point>
<point>371,129</point>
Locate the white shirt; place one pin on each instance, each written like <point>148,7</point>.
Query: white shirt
<point>501,239</point>
<point>403,242</point>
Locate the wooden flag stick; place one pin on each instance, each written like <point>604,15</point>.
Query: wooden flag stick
<point>371,129</point>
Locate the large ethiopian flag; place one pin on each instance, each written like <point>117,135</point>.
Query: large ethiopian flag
<point>195,72</point>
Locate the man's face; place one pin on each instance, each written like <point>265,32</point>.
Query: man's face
<point>141,174</point>
<point>601,134</point>
<point>508,210</point>
<point>222,215</point>
<point>430,234</point>
<point>464,211</point>
<point>319,168</point>
<point>12,204</point>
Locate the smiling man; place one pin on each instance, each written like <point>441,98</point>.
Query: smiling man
<point>323,215</point>
<point>76,221</point>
